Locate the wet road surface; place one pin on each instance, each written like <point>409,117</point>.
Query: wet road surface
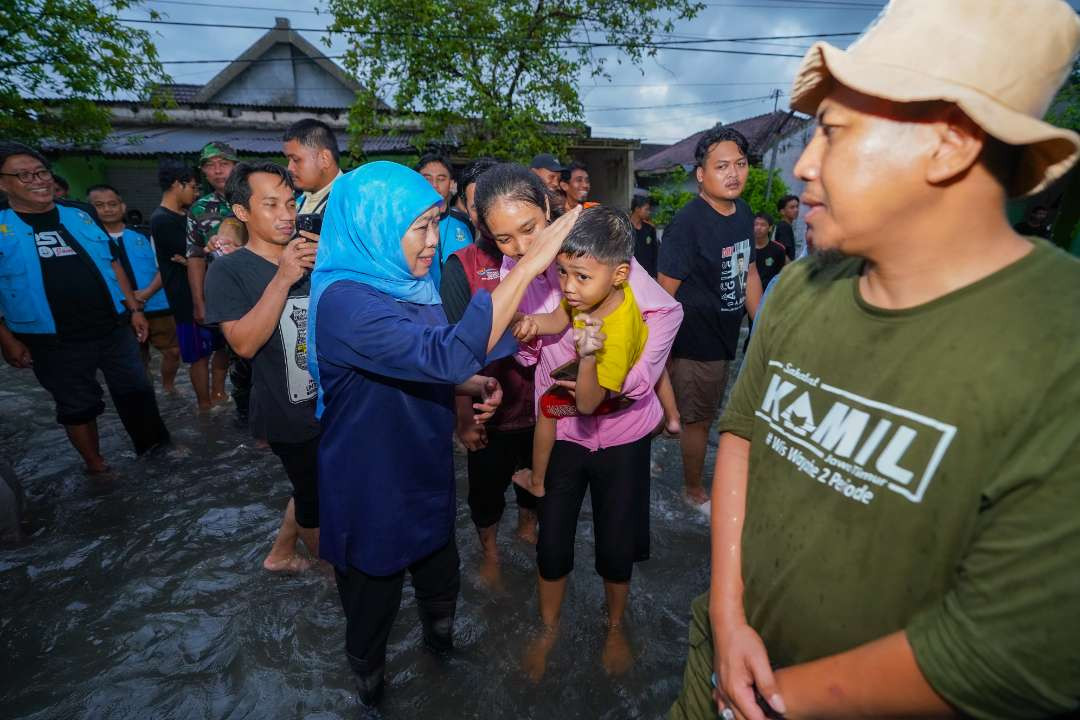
<point>143,596</point>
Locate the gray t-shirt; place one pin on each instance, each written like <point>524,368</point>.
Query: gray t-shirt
<point>283,392</point>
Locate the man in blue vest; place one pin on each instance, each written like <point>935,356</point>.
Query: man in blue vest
<point>67,308</point>
<point>136,255</point>
<point>454,234</point>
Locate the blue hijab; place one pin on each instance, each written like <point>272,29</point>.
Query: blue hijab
<point>369,211</point>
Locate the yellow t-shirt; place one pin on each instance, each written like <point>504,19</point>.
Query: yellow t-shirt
<point>626,335</point>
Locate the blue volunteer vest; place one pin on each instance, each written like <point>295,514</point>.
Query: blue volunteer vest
<point>453,236</point>
<point>22,290</point>
<point>140,253</point>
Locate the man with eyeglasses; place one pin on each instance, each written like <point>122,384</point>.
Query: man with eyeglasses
<point>67,307</point>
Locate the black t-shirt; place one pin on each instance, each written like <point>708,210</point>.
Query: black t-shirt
<point>454,289</point>
<point>710,253</point>
<point>169,231</point>
<point>79,299</point>
<point>646,249</point>
<point>282,390</point>
<point>785,235</point>
<point>769,261</point>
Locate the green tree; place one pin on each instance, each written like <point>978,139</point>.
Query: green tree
<point>669,196</point>
<point>754,192</point>
<point>490,76</point>
<point>1065,112</point>
<point>58,56</point>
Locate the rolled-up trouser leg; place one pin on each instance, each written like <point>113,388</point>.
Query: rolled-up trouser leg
<point>695,699</point>
<point>437,581</point>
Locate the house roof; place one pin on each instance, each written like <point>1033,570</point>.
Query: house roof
<point>760,132</point>
<point>149,140</point>
<point>281,33</point>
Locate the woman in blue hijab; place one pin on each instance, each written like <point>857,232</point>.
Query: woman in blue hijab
<point>388,366</point>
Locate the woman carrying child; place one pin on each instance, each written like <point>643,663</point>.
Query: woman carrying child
<point>608,455</point>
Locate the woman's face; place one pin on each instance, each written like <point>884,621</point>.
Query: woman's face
<point>514,225</point>
<point>421,242</point>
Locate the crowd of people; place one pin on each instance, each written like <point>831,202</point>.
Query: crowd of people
<point>893,501</point>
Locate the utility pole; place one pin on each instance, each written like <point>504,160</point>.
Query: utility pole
<point>776,143</point>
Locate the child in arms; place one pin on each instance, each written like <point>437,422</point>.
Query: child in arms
<point>609,333</point>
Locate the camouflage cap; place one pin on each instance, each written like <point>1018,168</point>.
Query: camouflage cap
<point>217,149</point>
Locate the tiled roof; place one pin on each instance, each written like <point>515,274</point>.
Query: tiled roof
<point>759,131</point>
<point>180,92</point>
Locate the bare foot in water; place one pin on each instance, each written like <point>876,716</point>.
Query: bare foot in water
<point>290,564</point>
<point>526,527</point>
<point>97,466</point>
<point>536,653</point>
<point>616,657</point>
<point>491,574</point>
<point>524,479</point>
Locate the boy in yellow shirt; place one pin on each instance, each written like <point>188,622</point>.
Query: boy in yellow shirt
<point>609,333</point>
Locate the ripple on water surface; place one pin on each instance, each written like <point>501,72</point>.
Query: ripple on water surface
<point>142,595</point>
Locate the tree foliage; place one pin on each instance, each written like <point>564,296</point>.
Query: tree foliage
<point>489,76</point>
<point>669,196</point>
<point>57,56</point>
<point>754,192</point>
<point>674,191</point>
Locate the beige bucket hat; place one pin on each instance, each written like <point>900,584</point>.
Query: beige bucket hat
<point>1000,61</point>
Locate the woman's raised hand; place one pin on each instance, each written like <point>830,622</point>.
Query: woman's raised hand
<point>546,246</point>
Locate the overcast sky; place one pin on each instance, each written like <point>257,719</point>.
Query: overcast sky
<point>673,95</point>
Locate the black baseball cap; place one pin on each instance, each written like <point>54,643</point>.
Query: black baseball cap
<point>546,161</point>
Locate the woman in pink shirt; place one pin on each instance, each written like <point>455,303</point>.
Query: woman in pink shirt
<point>607,455</point>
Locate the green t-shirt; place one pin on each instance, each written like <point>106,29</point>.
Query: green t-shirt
<point>919,470</point>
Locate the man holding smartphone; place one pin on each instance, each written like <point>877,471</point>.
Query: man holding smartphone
<point>258,295</point>
<point>312,150</point>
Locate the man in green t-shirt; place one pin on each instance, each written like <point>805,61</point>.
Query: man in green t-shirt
<point>895,525</point>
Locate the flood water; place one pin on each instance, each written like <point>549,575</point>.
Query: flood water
<point>143,596</point>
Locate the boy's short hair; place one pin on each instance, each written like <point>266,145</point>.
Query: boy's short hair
<point>314,134</point>
<point>783,202</point>
<point>238,186</point>
<point>434,157</point>
<point>715,136</point>
<point>171,170</point>
<point>569,170</point>
<point>100,187</point>
<point>640,201</point>
<point>10,148</point>
<point>603,233</point>
<point>764,216</point>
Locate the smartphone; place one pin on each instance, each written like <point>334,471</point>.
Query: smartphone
<point>567,371</point>
<point>309,222</point>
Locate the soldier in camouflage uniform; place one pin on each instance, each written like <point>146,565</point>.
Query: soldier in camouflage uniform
<point>204,218</point>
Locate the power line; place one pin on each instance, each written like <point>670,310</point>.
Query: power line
<point>678,105</point>
<point>564,43</point>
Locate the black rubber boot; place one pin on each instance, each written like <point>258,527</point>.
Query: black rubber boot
<point>370,682</point>
<point>437,617</point>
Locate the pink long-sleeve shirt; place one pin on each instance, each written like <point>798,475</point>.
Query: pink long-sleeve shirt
<point>662,314</point>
